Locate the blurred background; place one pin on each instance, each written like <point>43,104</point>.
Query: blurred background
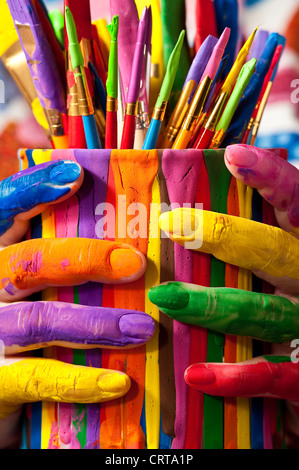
<point>280,123</point>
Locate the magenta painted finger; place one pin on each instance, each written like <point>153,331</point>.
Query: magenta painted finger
<point>27,325</point>
<point>265,376</point>
<point>276,180</point>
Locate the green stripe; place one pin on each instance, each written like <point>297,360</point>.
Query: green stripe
<point>219,178</point>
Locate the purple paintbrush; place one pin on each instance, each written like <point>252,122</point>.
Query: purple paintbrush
<point>128,134</point>
<point>42,66</point>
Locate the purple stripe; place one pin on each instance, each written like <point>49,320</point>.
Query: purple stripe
<point>181,180</point>
<point>92,192</point>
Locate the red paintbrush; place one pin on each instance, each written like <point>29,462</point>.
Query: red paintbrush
<point>81,13</point>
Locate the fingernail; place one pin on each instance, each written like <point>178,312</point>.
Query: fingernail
<point>241,155</point>
<point>180,223</point>
<point>172,296</point>
<point>138,326</point>
<point>127,264</point>
<point>114,384</point>
<point>200,374</point>
<point>65,172</point>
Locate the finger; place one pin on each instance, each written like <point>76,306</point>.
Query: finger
<point>276,180</point>
<point>265,376</point>
<point>28,192</point>
<point>31,325</point>
<point>241,242</point>
<point>36,379</point>
<point>229,311</point>
<point>36,264</point>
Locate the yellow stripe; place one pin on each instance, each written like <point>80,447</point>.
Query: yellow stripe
<point>152,277</point>
<point>244,344</point>
<point>48,231</point>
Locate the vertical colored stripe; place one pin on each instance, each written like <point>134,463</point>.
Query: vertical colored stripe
<point>198,336</point>
<point>92,192</point>
<point>230,347</point>
<point>219,178</point>
<point>134,173</point>
<point>152,277</point>
<point>181,181</point>
<point>244,344</point>
<point>166,362</point>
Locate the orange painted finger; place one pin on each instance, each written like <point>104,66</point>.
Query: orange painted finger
<point>33,265</point>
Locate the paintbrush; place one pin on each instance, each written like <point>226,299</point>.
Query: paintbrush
<point>128,134</point>
<point>190,122</point>
<point>14,60</point>
<point>194,75</point>
<point>112,87</point>
<point>161,103</point>
<point>249,99</point>
<point>84,98</point>
<point>42,66</point>
<point>81,12</point>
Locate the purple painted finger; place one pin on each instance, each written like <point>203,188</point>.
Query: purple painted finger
<point>276,180</point>
<point>29,325</point>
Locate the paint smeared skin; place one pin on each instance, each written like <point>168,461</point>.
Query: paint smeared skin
<point>27,325</point>
<point>29,191</point>
<point>35,379</point>
<point>275,179</point>
<point>89,260</point>
<point>264,376</point>
<point>230,311</point>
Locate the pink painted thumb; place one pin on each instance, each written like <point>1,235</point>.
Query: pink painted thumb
<point>276,179</point>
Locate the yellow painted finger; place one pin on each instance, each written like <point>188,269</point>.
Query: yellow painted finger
<point>35,379</point>
<point>241,242</point>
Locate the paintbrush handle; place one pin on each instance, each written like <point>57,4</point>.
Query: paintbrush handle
<point>60,142</point>
<point>204,139</point>
<point>152,134</point>
<point>128,135</point>
<point>182,140</point>
<point>91,132</point>
<point>77,138</point>
<point>111,130</point>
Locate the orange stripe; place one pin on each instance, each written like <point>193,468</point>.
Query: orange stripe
<point>134,172</point>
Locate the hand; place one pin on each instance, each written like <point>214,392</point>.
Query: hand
<point>29,266</point>
<point>272,253</point>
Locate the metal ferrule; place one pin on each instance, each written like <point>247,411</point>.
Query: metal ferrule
<point>84,99</point>
<point>111,104</point>
<point>14,60</point>
<point>197,104</point>
<point>159,113</point>
<point>142,118</point>
<point>172,132</point>
<point>217,139</point>
<point>216,112</point>
<point>132,108</point>
<point>55,122</point>
<point>180,110</point>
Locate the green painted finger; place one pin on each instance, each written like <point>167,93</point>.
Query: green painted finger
<point>230,311</point>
